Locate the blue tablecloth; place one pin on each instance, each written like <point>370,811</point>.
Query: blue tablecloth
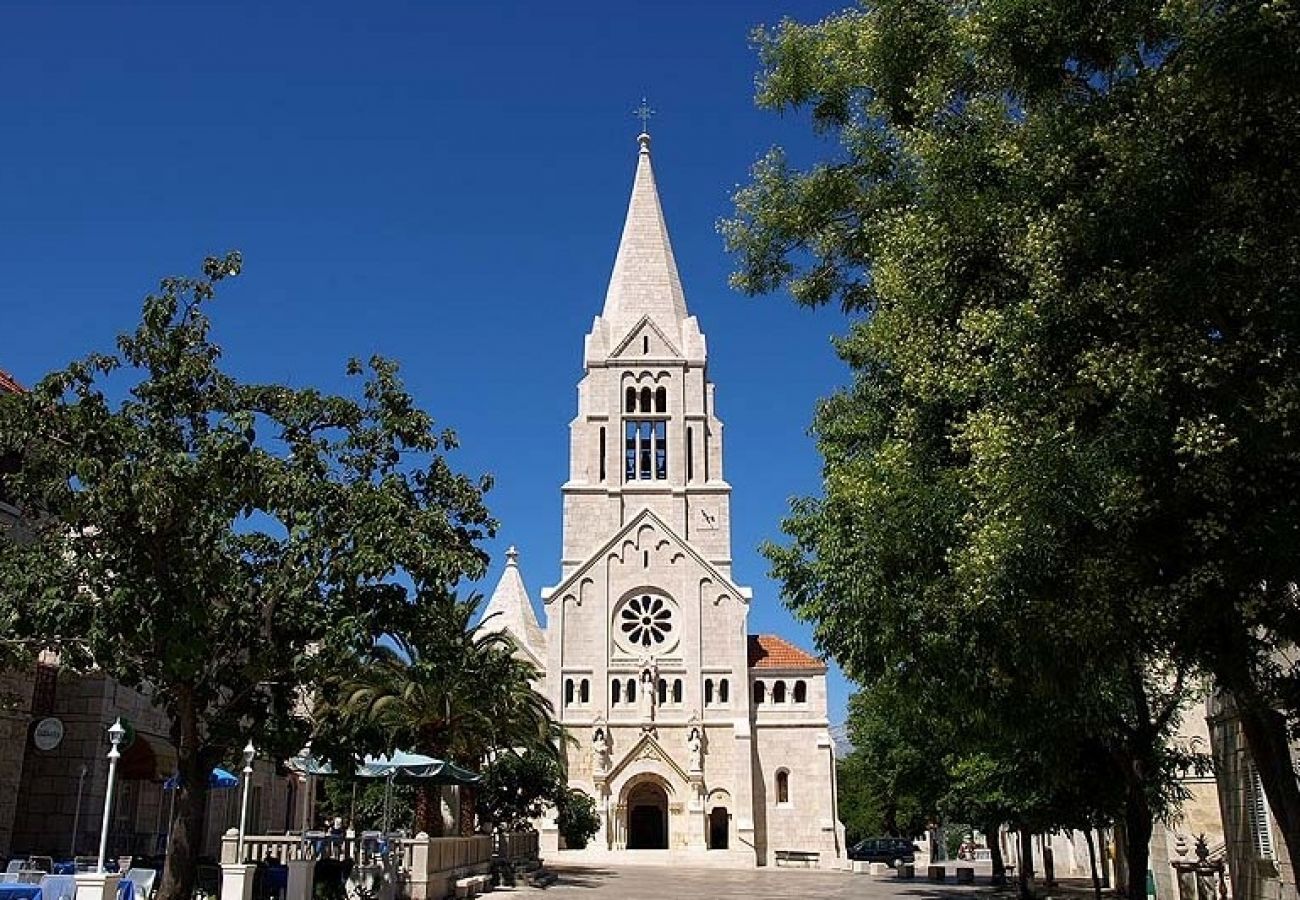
<point>65,867</point>
<point>20,892</point>
<point>58,887</point>
<point>125,890</point>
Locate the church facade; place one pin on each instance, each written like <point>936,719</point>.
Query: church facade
<point>692,734</point>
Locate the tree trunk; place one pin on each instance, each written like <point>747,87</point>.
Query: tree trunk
<point>995,853</point>
<point>468,806</point>
<point>1092,863</point>
<point>188,814</point>
<point>428,809</point>
<point>1137,840</point>
<point>1025,877</point>
<point>1270,750</point>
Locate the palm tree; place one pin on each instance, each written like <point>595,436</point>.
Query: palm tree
<point>448,690</point>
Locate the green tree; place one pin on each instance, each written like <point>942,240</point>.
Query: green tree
<point>518,788</point>
<point>1070,232</point>
<point>446,689</point>
<point>577,818</point>
<point>219,544</point>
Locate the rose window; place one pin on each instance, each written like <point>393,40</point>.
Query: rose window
<point>646,622</point>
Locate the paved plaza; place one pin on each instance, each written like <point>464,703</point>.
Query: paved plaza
<point>676,883</point>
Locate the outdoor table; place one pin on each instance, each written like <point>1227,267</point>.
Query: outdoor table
<point>58,887</point>
<point>125,890</point>
<point>20,892</point>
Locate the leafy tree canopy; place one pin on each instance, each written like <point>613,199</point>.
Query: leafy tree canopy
<point>220,544</point>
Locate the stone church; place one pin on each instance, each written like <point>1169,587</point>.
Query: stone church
<point>693,735</point>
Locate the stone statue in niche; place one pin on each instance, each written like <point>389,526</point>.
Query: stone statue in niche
<point>649,690</point>
<point>600,750</point>
<point>695,747</point>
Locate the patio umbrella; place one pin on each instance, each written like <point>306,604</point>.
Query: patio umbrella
<point>401,766</point>
<point>219,779</point>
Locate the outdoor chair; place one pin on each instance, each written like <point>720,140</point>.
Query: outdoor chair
<point>85,863</point>
<point>30,876</point>
<point>207,880</point>
<point>44,863</point>
<point>124,863</point>
<point>143,879</point>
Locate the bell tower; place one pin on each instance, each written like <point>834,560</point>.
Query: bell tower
<point>645,436</point>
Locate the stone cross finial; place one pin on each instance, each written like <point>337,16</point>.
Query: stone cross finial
<point>512,556</point>
<point>644,112</point>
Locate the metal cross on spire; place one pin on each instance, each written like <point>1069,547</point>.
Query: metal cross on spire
<point>644,112</point>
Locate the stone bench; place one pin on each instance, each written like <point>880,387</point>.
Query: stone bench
<point>965,875</point>
<point>804,859</point>
<point>906,870</point>
<point>937,873</point>
<point>473,885</point>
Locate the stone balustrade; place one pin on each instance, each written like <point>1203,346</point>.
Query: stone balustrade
<point>423,867</point>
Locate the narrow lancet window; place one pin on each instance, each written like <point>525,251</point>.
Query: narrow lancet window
<point>661,400</point>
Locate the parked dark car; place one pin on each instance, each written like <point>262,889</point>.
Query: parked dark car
<point>884,850</point>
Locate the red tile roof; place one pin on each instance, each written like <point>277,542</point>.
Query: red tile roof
<point>9,384</point>
<point>767,651</point>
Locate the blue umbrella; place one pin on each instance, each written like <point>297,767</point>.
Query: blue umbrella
<point>219,778</point>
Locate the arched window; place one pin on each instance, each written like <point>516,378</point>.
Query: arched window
<point>800,692</point>
<point>585,691</point>
<point>759,692</point>
<point>778,692</point>
<point>663,691</point>
<point>722,691</point>
<point>602,454</point>
<point>616,691</point>
<point>631,690</point>
<point>568,691</point>
<point>661,400</point>
<point>677,690</point>
<point>782,786</point>
<point>645,399</point>
<point>708,691</point>
<point>690,454</point>
<point>630,404</point>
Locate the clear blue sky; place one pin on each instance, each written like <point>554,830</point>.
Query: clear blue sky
<point>442,183</point>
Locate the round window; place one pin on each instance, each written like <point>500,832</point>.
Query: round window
<point>646,622</point>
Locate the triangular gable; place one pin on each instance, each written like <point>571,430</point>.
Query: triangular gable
<point>647,748</point>
<point>645,323</point>
<point>620,535</point>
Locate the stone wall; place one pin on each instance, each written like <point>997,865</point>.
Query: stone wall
<point>1253,877</point>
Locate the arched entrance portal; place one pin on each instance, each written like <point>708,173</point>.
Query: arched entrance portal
<point>718,828</point>
<point>647,817</point>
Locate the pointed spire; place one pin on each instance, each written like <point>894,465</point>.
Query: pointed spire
<point>511,611</point>
<point>645,279</point>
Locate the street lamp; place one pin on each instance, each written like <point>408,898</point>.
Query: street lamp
<point>249,753</point>
<point>115,734</point>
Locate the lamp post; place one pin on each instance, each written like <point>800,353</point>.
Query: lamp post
<point>249,753</point>
<point>115,734</point>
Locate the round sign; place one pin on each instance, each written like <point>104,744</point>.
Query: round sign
<point>48,734</point>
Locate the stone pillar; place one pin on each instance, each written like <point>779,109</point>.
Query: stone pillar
<point>418,877</point>
<point>237,881</point>
<point>97,885</point>
<point>301,872</point>
<point>230,847</point>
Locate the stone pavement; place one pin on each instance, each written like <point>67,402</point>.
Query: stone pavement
<point>678,883</point>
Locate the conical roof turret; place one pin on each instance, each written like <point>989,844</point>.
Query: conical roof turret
<point>510,610</point>
<point>645,280</point>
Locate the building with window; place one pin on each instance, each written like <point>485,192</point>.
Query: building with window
<point>694,735</point>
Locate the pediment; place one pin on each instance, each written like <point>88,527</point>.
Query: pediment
<point>658,343</point>
<point>630,533</point>
<point>647,750</point>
